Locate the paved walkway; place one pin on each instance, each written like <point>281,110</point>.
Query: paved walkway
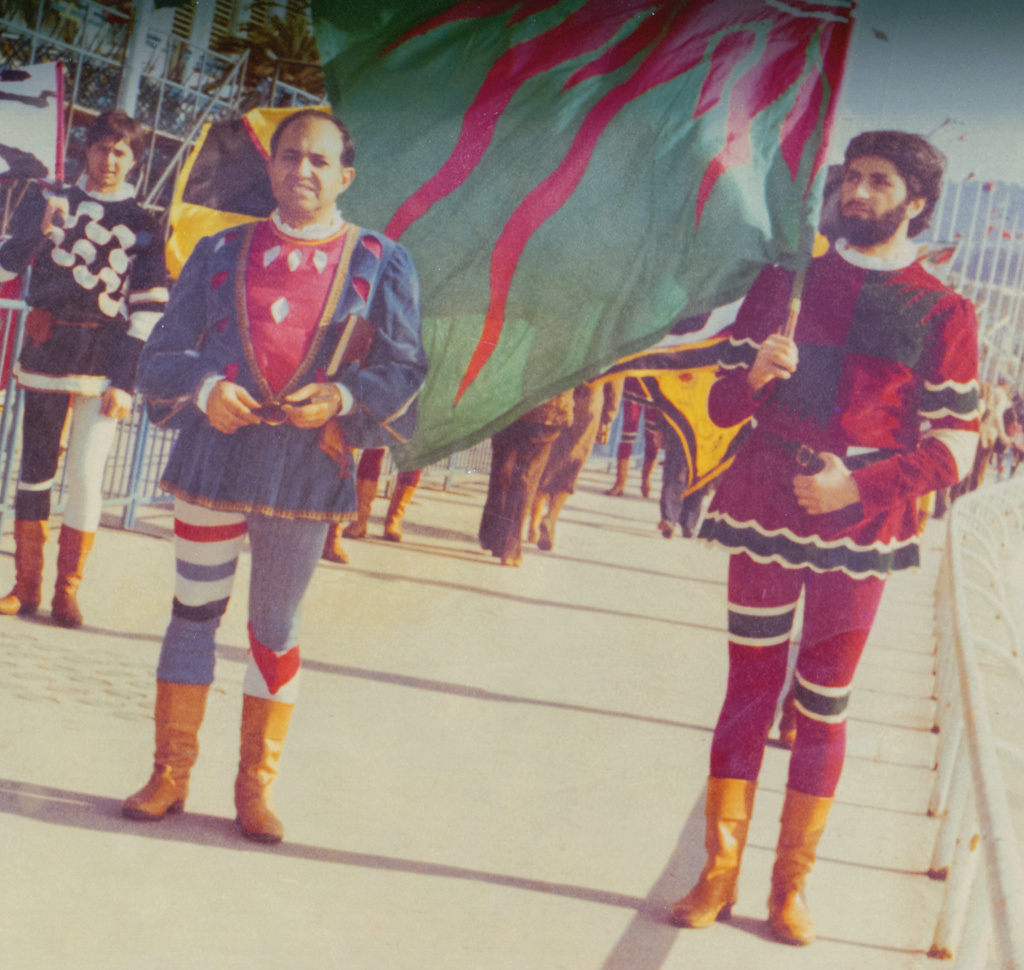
<point>489,768</point>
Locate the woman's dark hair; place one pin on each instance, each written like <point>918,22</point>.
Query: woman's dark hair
<point>348,151</point>
<point>121,127</point>
<point>919,162</point>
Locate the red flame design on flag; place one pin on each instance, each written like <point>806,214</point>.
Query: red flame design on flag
<point>795,42</point>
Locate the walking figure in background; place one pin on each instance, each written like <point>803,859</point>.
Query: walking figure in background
<point>367,481</point>
<point>518,455</point>
<point>285,345</point>
<point>98,287</point>
<point>874,404</point>
<point>593,409</point>
<point>631,412</point>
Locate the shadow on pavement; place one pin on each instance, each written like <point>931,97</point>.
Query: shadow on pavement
<point>55,806</point>
<point>238,655</point>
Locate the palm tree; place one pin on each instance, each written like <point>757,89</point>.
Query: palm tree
<point>281,48</point>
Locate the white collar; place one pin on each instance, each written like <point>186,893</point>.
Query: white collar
<point>904,258</point>
<point>126,191</point>
<point>316,231</point>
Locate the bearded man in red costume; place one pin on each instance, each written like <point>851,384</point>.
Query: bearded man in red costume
<point>286,345</point>
<point>872,406</point>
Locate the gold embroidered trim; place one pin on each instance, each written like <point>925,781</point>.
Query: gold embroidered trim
<point>269,510</point>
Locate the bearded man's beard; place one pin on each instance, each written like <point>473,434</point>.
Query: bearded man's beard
<point>871,232</point>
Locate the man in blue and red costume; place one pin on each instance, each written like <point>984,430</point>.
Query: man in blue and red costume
<point>872,406</point>
<point>285,345</point>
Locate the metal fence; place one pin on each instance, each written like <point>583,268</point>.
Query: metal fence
<point>181,85</point>
<point>981,923</point>
<point>985,222</point>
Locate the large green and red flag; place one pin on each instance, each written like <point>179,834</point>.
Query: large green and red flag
<point>573,176</point>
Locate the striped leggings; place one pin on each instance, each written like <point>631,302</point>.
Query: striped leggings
<point>838,614</point>
<point>207,544</point>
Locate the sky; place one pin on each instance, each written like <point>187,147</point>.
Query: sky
<point>961,60</point>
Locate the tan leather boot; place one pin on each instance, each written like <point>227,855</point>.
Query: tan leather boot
<point>621,474</point>
<point>396,512</point>
<point>333,551</point>
<point>264,729</point>
<point>73,550</point>
<point>29,541</point>
<point>803,822</point>
<point>728,809</point>
<point>178,715</point>
<point>366,492</point>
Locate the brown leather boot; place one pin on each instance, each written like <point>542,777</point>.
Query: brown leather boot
<point>366,492</point>
<point>396,512</point>
<point>803,822</point>
<point>178,715</point>
<point>621,474</point>
<point>728,809</point>
<point>29,541</point>
<point>333,551</point>
<point>73,550</point>
<point>264,729</point>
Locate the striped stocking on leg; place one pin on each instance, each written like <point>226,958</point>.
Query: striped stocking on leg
<point>762,604</point>
<point>207,544</point>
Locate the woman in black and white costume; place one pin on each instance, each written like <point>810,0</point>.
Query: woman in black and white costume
<point>98,287</point>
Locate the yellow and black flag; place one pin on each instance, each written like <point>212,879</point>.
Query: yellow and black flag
<point>224,182</point>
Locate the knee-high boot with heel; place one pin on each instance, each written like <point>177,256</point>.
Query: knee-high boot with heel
<point>29,541</point>
<point>803,822</point>
<point>74,547</point>
<point>179,714</point>
<point>264,729</point>
<point>728,808</point>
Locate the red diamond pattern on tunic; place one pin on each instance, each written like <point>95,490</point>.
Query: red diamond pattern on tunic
<point>280,339</point>
<point>373,245</point>
<point>362,287</point>
<point>218,280</point>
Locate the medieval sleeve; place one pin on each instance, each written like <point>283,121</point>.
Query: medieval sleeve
<point>948,411</point>
<point>763,312</point>
<point>146,298</point>
<point>26,235</point>
<point>171,367</point>
<point>386,386</point>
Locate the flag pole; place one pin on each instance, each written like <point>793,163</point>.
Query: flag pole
<point>804,254</point>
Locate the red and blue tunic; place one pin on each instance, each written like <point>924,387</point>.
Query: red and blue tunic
<point>266,310</point>
<point>887,379</point>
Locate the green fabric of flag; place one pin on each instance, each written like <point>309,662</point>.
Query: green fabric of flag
<point>573,176</point>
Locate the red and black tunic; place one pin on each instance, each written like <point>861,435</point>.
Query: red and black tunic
<point>887,363</point>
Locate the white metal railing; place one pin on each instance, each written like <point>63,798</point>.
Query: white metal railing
<point>982,918</point>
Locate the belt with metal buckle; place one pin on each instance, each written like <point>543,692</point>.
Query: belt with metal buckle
<point>810,459</point>
<point>806,457</point>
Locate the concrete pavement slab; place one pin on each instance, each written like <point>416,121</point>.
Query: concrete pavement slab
<point>488,767</point>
